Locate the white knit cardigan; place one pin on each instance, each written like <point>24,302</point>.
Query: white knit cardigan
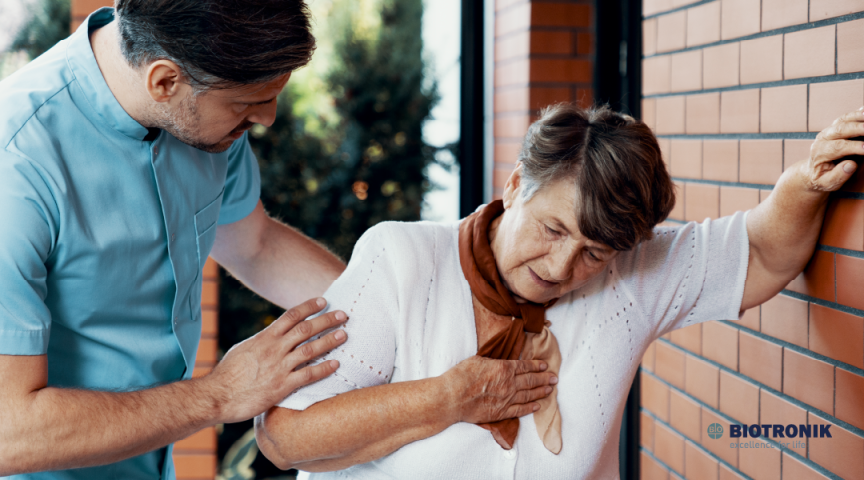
<point>411,317</point>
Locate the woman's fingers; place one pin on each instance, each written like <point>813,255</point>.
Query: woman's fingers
<point>528,366</point>
<point>520,410</point>
<point>296,315</point>
<point>532,395</point>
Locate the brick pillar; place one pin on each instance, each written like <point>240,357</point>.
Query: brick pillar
<point>195,456</point>
<point>736,91</point>
<point>543,55</point>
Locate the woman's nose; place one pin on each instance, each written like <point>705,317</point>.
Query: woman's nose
<point>561,264</point>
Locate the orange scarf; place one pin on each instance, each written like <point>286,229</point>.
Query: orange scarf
<point>528,335</point>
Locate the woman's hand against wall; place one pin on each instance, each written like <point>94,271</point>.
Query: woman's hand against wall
<point>834,143</point>
<point>483,390</point>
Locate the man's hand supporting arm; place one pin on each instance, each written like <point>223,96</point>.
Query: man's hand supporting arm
<point>784,229</point>
<point>47,428</point>
<point>369,423</point>
<point>274,260</point>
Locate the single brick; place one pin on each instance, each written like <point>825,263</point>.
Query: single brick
<point>720,343</point>
<point>762,60</point>
<point>794,151</point>
<point>809,53</point>
<point>669,364</point>
<point>720,65</point>
<point>698,464</point>
<point>561,70</point>
<point>686,158</point>
<point>649,37</point>
<point>829,101</point>
<point>702,380</point>
<point>648,357</point>
<point>670,115</point>
<point>548,14</point>
<point>703,113</point>
<point>838,335</point>
<point>211,269</point>
<point>672,31</point>
<point>822,9</point>
<point>511,125</point>
<point>669,447</point>
<point>657,74</point>
<point>646,431</point>
<point>850,46</point>
<point>737,199</point>
<point>784,109</point>
<point>760,360</point>
<point>727,473</point>
<point>703,24</point>
<point>188,466</point>
<point>808,380</point>
<point>209,322</point>
<point>514,45</point>
<point>840,454</point>
<point>794,469</point>
<point>655,396</point>
<point>649,112</point>
<point>739,18</point>
<point>739,111</point>
<point>783,13</point>
<point>677,212</point>
<point>760,463</point>
<point>513,72</point>
<point>685,415</point>
<point>751,318</point>
<point>850,281</point>
<point>739,399</point>
<point>786,318</point>
<point>201,440</point>
<point>210,293</point>
<point>689,338</point>
<point>761,161</point>
<point>513,20</point>
<point>776,410</point>
<point>850,390</point>
<point>720,160</point>
<point>207,351</point>
<point>650,469</point>
<point>687,71</point>
<point>507,151</point>
<point>844,224</point>
<point>702,201</point>
<point>540,97</point>
<point>817,279</point>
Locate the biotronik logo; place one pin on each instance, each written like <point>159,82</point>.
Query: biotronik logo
<point>772,431</point>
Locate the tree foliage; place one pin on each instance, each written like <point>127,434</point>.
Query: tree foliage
<point>47,24</point>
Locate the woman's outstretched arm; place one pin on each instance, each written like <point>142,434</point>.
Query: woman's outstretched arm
<point>366,424</point>
<point>784,229</point>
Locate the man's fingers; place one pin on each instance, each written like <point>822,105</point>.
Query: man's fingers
<point>305,330</point>
<point>841,129</point>
<point>316,348</point>
<point>297,314</point>
<point>310,374</point>
<point>528,366</point>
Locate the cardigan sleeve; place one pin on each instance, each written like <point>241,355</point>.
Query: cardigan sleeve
<point>368,292</point>
<point>690,273</point>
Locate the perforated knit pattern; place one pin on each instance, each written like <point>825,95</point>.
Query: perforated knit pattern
<point>602,329</point>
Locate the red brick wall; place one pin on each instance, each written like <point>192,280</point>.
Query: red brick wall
<point>736,90</point>
<point>543,54</point>
<point>195,456</point>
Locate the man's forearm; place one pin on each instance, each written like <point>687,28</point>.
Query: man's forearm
<point>354,427</point>
<point>53,428</point>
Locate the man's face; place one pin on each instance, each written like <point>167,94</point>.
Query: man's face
<point>212,120</point>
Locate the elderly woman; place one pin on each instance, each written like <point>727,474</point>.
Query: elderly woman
<point>571,269</point>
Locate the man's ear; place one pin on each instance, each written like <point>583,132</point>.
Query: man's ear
<point>164,80</point>
<point>511,188</point>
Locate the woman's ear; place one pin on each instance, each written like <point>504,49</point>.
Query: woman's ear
<point>511,188</point>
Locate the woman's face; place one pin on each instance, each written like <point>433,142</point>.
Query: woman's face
<point>538,248</point>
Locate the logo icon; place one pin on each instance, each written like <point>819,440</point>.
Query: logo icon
<point>715,430</point>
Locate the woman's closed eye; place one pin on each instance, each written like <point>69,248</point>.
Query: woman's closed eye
<point>552,231</point>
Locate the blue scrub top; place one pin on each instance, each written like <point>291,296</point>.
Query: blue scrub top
<point>103,235</point>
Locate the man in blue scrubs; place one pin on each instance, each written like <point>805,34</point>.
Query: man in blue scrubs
<point>124,163</point>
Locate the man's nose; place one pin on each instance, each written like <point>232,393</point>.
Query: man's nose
<point>264,114</point>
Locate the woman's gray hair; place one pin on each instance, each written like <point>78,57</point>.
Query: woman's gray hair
<point>218,43</point>
<point>623,188</point>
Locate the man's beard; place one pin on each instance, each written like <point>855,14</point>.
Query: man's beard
<point>183,124</point>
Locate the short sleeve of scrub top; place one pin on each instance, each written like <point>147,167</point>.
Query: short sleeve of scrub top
<point>27,232</point>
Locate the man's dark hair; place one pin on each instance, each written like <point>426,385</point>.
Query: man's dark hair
<point>623,188</point>
<point>218,43</point>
